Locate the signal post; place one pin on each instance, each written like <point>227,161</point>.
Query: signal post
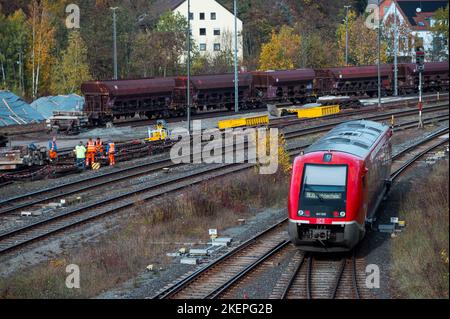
<point>420,61</point>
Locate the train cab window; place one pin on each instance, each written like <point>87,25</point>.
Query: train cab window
<point>328,158</point>
<point>323,193</point>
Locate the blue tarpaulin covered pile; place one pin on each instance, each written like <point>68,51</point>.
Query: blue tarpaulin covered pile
<point>15,111</point>
<point>47,105</point>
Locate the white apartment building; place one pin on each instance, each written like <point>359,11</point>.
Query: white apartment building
<point>417,16</point>
<point>212,24</point>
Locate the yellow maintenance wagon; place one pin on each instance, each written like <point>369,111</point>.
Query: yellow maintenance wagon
<point>315,112</point>
<point>244,121</point>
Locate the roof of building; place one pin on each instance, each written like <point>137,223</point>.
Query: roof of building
<point>355,137</point>
<point>15,111</point>
<point>416,19</point>
<point>161,6</point>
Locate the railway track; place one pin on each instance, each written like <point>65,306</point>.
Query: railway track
<point>307,276</point>
<point>378,117</point>
<point>25,201</point>
<point>42,228</point>
<point>312,276</point>
<point>136,150</point>
<point>216,277</point>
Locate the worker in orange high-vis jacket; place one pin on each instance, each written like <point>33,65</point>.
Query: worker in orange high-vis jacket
<point>90,154</point>
<point>53,149</point>
<point>99,146</point>
<point>111,151</point>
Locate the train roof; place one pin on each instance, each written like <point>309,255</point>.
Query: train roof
<point>355,137</point>
<point>129,87</point>
<point>355,72</point>
<point>292,75</point>
<point>220,81</point>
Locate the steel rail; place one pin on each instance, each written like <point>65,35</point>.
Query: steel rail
<point>92,205</point>
<point>309,278</point>
<point>414,159</point>
<point>154,166</point>
<point>354,279</point>
<point>338,279</point>
<point>79,210</point>
<point>216,293</point>
<point>176,288</point>
<point>379,117</point>
<point>293,277</point>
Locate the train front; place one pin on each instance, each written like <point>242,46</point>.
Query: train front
<point>325,202</point>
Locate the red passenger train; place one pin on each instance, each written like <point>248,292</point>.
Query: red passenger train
<point>337,186</point>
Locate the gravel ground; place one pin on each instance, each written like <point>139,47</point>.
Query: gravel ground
<point>375,247</point>
<point>148,284</point>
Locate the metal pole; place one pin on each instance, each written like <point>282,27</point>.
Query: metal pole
<point>379,54</point>
<point>188,107</point>
<point>346,36</point>
<point>420,100</point>
<point>236,77</point>
<point>395,52</point>
<point>115,42</point>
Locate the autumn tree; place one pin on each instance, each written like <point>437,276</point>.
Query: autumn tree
<point>72,69</point>
<point>13,47</point>
<point>171,29</point>
<point>362,45</point>
<point>40,59</point>
<point>282,51</point>
<point>440,30</point>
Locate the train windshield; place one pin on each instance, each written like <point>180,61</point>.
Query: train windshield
<point>323,193</point>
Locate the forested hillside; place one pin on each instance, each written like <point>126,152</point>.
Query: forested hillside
<point>40,56</point>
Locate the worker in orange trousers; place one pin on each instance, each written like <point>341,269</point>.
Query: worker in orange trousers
<point>90,154</point>
<point>99,146</point>
<point>111,151</point>
<point>53,149</point>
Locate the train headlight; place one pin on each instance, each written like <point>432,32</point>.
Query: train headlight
<point>301,213</point>
<point>342,214</point>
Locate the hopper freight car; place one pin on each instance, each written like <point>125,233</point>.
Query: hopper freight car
<point>217,91</point>
<point>353,81</point>
<point>295,86</point>
<point>159,97</point>
<point>435,77</point>
<point>166,97</point>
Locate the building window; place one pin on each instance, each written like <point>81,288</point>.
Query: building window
<point>216,31</point>
<point>213,16</point>
<point>216,46</point>
<point>202,16</point>
<point>191,16</point>
<point>202,31</point>
<point>202,46</point>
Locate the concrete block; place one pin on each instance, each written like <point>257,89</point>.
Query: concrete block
<point>54,205</point>
<point>222,241</point>
<point>388,228</point>
<point>189,261</point>
<point>199,252</point>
